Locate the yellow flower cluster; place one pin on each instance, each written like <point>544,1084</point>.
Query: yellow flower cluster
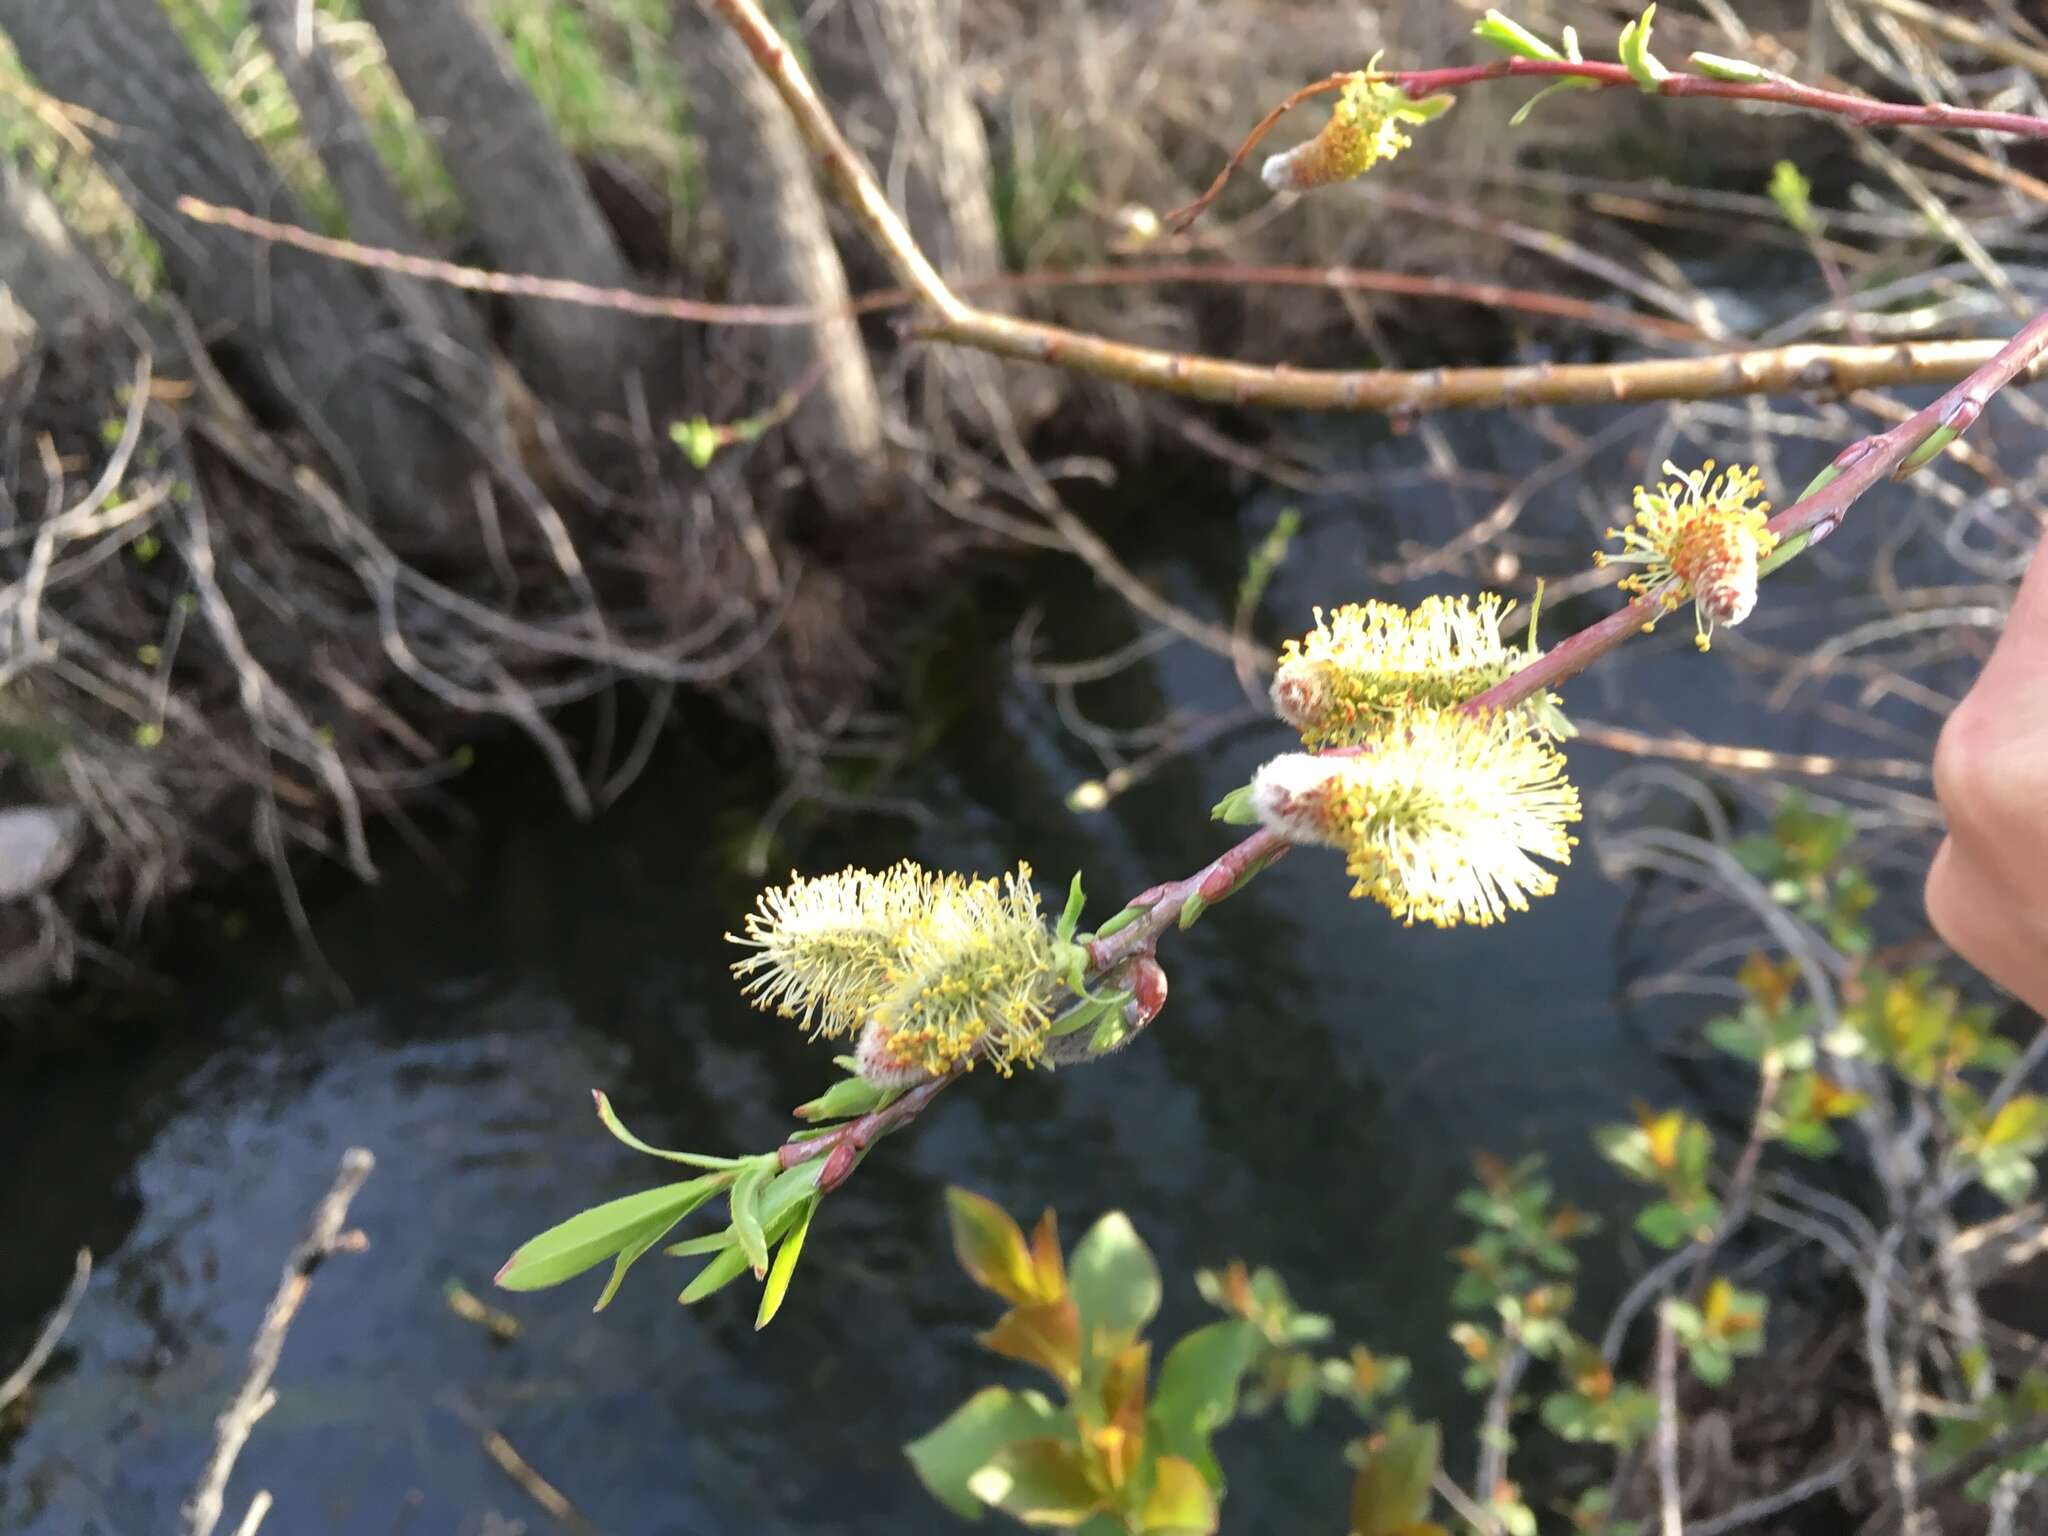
<point>1702,536</point>
<point>1441,812</point>
<point>1367,663</point>
<point>1441,819</point>
<point>929,970</point>
<point>1364,129</point>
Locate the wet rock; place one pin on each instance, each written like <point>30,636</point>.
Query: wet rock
<point>37,844</point>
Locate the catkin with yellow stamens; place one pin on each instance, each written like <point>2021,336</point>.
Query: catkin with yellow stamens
<point>1441,819</point>
<point>930,970</point>
<point>1707,533</point>
<point>1366,664</point>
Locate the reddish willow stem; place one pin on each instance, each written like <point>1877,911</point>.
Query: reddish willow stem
<point>1418,83</point>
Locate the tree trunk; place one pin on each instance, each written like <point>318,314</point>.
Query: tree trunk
<point>529,204</point>
<point>761,181</point>
<point>921,131</point>
<point>450,333</point>
<point>306,337</point>
<point>51,281</point>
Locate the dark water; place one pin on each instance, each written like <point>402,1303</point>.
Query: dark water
<point>1309,1100</point>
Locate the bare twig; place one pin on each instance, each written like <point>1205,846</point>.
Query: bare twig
<point>253,1398</point>
<point>522,1472</point>
<point>24,1375</point>
<point>259,1511</point>
<point>1395,392</point>
<point>1672,1516</point>
<point>1418,83</point>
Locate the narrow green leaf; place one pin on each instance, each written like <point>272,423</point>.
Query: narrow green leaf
<point>1235,808</point>
<point>612,1123</point>
<point>590,1237</point>
<point>1114,1277</point>
<point>785,1265</point>
<point>710,1242</point>
<point>1512,37</point>
<point>947,1457</point>
<point>847,1099</point>
<point>1929,450</point>
<point>727,1267</point>
<point>657,1229</point>
<point>1192,908</point>
<point>746,1218</point>
<point>1070,919</point>
<point>1635,52</point>
<point>1738,71</point>
<point>1120,922</point>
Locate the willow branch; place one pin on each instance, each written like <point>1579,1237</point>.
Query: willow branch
<point>953,320</point>
<point>1778,90</point>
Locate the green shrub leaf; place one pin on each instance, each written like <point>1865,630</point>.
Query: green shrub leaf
<point>590,1237</point>
<point>947,1457</point>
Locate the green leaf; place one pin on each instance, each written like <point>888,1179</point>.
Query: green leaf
<point>1196,1393</point>
<point>994,1417</point>
<point>1512,37</point>
<point>2008,1176</point>
<point>1930,449</point>
<point>1192,909</point>
<point>847,1099</point>
<point>1715,67</point>
<point>784,1266</point>
<point>1235,809</point>
<point>691,1247</point>
<point>1121,921</point>
<point>1181,1502</point>
<point>612,1123</point>
<point>728,1266</point>
<point>1392,1491</point>
<point>1114,1277</point>
<point>697,438</point>
<point>1666,1225</point>
<point>1040,1482</point>
<point>656,1230</point>
<point>1635,52</point>
<point>1070,919</point>
<point>590,1237</point>
<point>991,1248</point>
<point>1569,84</point>
<point>746,1218</point>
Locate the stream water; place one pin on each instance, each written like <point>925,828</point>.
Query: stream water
<point>1308,1100</point>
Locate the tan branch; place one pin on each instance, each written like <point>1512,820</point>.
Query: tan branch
<point>24,1375</point>
<point>1775,370</point>
<point>253,1398</point>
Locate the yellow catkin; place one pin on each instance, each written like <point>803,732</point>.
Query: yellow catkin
<point>930,970</point>
<point>1364,129</point>
<point>1364,664</point>
<point>1441,820</point>
<point>1708,533</point>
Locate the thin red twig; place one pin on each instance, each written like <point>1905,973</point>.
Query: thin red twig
<point>1419,83</point>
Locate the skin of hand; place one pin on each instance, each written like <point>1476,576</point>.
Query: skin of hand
<point>1987,892</point>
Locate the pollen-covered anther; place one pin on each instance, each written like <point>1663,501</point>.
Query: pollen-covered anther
<point>1701,536</point>
<point>930,971</point>
<point>1441,819</point>
<point>1364,129</point>
<point>1365,664</point>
